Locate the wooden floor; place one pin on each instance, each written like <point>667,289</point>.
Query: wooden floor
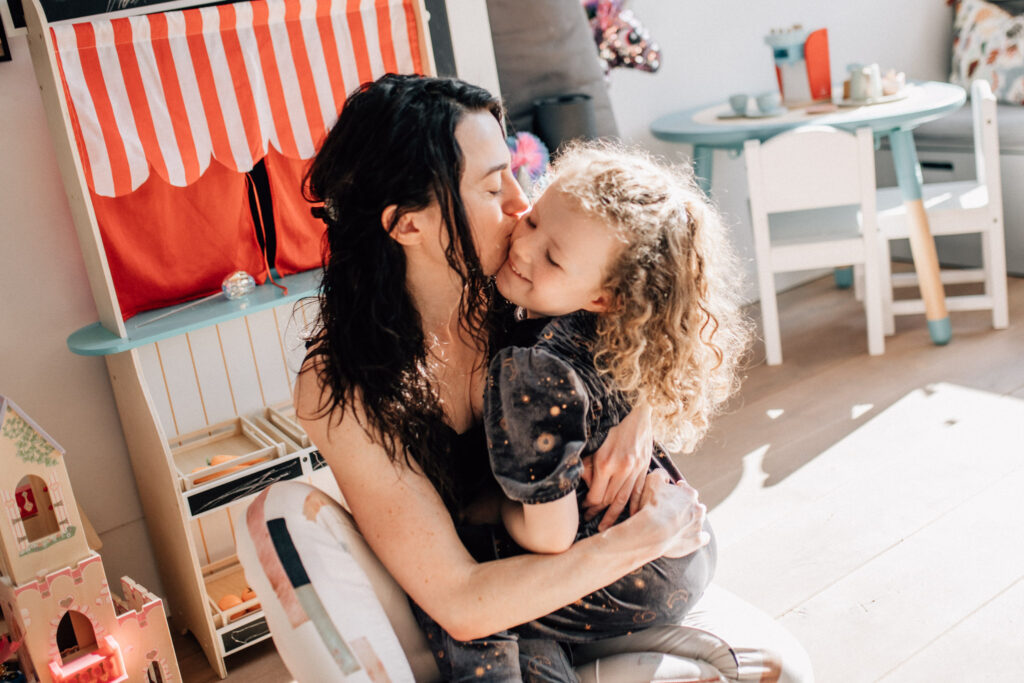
<point>871,504</point>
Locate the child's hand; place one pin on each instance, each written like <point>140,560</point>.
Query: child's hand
<point>616,471</point>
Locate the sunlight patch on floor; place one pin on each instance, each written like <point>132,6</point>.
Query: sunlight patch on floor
<point>732,511</point>
<point>859,409</point>
<point>851,548</point>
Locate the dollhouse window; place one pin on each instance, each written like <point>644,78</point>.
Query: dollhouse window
<point>75,636</point>
<point>33,497</point>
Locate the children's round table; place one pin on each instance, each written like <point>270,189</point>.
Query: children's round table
<point>708,128</point>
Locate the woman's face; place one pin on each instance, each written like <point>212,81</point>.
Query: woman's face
<point>490,193</point>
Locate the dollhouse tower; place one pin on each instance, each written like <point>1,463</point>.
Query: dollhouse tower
<point>53,588</point>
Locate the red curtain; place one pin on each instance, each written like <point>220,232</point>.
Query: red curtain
<point>170,244</point>
<point>300,236</point>
<point>170,109</point>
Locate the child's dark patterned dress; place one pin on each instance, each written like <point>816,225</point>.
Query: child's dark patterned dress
<point>545,407</point>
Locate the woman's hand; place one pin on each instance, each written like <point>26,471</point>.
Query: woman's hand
<point>616,472</point>
<point>675,514</point>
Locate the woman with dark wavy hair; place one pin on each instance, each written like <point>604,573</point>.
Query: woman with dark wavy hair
<point>419,202</point>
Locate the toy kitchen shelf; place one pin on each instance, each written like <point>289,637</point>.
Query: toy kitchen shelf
<point>178,380</point>
<point>97,340</point>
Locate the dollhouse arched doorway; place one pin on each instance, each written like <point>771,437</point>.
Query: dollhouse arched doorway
<point>75,636</point>
<point>33,498</point>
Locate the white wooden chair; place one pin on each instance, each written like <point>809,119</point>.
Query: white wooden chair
<point>956,208</point>
<point>813,167</point>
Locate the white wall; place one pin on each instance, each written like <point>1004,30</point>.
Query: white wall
<point>710,50</point>
<point>45,296</point>
<point>713,49</point>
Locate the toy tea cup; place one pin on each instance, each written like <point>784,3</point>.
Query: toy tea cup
<point>738,102</point>
<point>769,102</point>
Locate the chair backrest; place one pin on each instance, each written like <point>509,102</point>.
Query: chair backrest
<point>812,167</point>
<point>986,139</point>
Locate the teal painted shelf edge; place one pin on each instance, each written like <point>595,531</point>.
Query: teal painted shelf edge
<point>96,340</point>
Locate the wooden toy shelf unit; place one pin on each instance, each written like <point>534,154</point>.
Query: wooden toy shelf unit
<point>159,114</point>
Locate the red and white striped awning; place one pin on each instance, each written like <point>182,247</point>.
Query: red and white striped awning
<point>172,90</point>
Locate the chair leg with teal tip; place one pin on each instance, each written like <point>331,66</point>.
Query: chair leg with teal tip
<point>843,277</point>
<point>922,245</point>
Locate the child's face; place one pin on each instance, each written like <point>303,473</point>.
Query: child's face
<point>558,258</point>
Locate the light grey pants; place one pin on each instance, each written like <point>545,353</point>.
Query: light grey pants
<point>336,615</point>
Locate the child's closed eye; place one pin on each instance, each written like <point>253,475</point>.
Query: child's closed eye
<point>551,260</point>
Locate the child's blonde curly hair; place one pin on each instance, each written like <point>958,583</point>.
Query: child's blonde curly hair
<point>673,335</point>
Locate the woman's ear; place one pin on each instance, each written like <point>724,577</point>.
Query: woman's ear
<point>406,231</point>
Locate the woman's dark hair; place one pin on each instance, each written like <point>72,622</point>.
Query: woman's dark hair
<point>393,144</point>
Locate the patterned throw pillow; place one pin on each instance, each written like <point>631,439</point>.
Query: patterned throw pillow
<point>988,43</point>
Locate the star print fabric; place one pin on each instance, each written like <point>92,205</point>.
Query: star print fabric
<point>546,407</point>
<point>535,420</point>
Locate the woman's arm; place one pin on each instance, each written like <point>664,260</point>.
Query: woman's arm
<point>543,527</point>
<point>405,522</point>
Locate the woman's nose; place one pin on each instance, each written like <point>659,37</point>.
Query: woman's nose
<point>515,202</point>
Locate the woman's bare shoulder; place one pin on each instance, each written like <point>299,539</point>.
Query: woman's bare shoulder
<point>367,476</point>
<point>328,424</point>
<point>395,506</point>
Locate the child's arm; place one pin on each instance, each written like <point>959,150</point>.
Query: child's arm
<point>535,409</point>
<point>544,527</point>
<point>619,466</point>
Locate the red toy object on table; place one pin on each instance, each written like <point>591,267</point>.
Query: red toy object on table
<point>801,65</point>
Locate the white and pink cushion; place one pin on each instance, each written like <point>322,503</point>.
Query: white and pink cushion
<point>336,615</point>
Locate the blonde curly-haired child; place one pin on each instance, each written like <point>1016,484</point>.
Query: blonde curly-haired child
<point>627,292</point>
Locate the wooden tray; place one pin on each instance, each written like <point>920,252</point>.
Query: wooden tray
<point>282,416</point>
<point>221,578</point>
<point>238,437</point>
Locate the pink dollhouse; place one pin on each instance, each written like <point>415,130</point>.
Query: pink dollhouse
<point>53,588</point>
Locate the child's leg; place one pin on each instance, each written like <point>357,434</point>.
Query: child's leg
<point>660,592</point>
<point>499,658</point>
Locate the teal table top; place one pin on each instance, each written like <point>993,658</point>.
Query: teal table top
<point>920,102</point>
<point>96,340</point>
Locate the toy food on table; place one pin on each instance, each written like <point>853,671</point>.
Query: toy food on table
<point>869,84</point>
<point>893,82</point>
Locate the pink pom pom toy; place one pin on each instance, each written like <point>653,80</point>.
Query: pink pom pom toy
<point>529,155</point>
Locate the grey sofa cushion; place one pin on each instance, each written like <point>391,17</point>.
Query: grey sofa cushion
<point>954,131</point>
<point>543,48</point>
